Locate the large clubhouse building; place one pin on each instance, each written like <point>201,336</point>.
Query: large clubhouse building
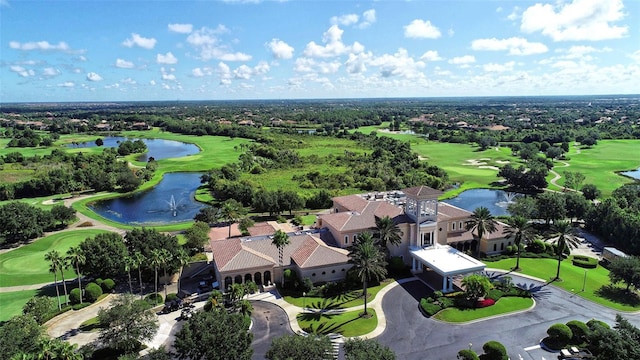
<point>434,238</point>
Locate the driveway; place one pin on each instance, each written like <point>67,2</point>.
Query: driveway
<point>413,336</point>
<point>269,322</point>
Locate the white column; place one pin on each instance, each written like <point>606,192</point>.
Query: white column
<point>413,264</point>
<point>450,283</point>
<point>444,284</point>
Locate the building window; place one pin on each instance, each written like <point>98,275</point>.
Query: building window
<point>324,273</point>
<point>495,247</point>
<point>501,246</point>
<point>346,239</point>
<point>453,226</point>
<point>333,271</point>
<point>355,236</point>
<point>342,270</point>
<point>314,274</point>
<point>427,239</point>
<point>460,225</point>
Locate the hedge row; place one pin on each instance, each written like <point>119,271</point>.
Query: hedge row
<point>585,261</point>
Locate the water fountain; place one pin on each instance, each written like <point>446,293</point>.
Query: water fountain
<point>173,207</point>
<point>508,199</point>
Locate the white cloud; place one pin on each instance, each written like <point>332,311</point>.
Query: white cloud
<point>206,41</point>
<point>514,14</point>
<point>50,72</point>
<point>463,60</point>
<point>124,64</point>
<point>68,84</point>
<point>579,20</point>
<point>431,55</point>
<point>334,45</point>
<point>39,45</point>
<point>93,77</point>
<point>152,82</point>
<point>357,63</point>
<point>225,73</point>
<point>167,74</point>
<point>280,49</point>
<point>345,20</point>
<point>369,17</point>
<point>181,28</point>
<point>167,58</point>
<point>237,56</point>
<point>200,72</point>
<point>129,81</point>
<point>420,29</point>
<point>137,40</point>
<point>24,72</point>
<point>492,67</point>
<point>515,45</point>
<point>635,56</point>
<point>399,64</point>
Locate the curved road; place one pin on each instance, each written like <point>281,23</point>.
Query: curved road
<point>413,336</point>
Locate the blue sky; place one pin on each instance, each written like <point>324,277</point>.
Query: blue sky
<point>216,50</point>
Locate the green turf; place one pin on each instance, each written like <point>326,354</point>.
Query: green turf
<point>11,303</point>
<point>348,324</point>
<point>597,287</point>
<point>503,306</point>
<point>26,265</point>
<point>344,301</point>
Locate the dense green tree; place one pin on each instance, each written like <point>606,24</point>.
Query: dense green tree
<point>197,236</point>
<point>145,240</point>
<point>19,335</point>
<point>40,307</point>
<point>208,215</point>
<point>214,335</point>
<point>590,192</point>
<point>494,350</point>
<point>184,259</point>
<point>524,206</point>
<point>299,347</point>
<point>573,180</point>
<point>564,242</point>
<point>20,221</point>
<point>481,221</point>
<point>519,229</point>
<point>550,206</point>
<point>576,205</point>
<point>626,270</point>
<point>138,260</point>
<point>127,323</point>
<point>387,233</point>
<point>155,260</point>
<point>366,349</point>
<point>368,262</point>
<point>63,214</point>
<point>104,255</point>
<point>280,240</point>
<point>476,286</point>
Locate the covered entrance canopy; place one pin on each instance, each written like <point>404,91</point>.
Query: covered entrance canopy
<point>446,261</point>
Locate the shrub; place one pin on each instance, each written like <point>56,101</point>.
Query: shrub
<point>585,262</point>
<point>445,302</point>
<point>281,219</point>
<point>593,324</point>
<point>92,291</point>
<point>396,265</point>
<point>494,350</point>
<point>494,294</point>
<point>485,303</point>
<point>429,308</point>
<point>80,306</point>
<point>579,330</point>
<point>154,299</point>
<point>467,354</point>
<point>171,297</point>
<point>74,296</point>
<point>537,246</point>
<point>86,224</point>
<point>559,336</point>
<point>108,285</point>
<point>199,257</point>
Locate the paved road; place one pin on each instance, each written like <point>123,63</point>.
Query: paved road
<point>269,321</point>
<point>413,336</point>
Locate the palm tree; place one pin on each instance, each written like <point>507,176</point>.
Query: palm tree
<point>565,240</point>
<point>231,210</point>
<point>368,262</point>
<point>138,260</point>
<point>129,263</point>
<point>183,257</point>
<point>280,240</point>
<point>75,256</point>
<point>520,230</point>
<point>165,259</point>
<point>482,222</point>
<point>54,257</point>
<point>156,260</point>
<point>387,232</point>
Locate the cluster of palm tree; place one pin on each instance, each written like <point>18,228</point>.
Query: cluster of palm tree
<point>520,229</point>
<point>74,259</point>
<point>160,258</point>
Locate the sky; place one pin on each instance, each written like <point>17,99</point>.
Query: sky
<point>130,50</point>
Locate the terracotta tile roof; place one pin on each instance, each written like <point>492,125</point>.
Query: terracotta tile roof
<point>456,236</point>
<point>449,212</point>
<point>361,220</point>
<point>313,253</point>
<point>261,229</point>
<point>351,202</point>
<point>422,192</point>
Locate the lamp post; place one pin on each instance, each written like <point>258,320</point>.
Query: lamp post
<point>304,300</point>
<point>584,281</point>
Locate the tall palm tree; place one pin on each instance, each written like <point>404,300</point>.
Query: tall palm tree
<point>54,257</point>
<point>165,259</point>
<point>138,260</point>
<point>280,240</point>
<point>231,210</point>
<point>368,262</point>
<point>387,232</point>
<point>75,256</point>
<point>482,222</point>
<point>129,263</point>
<point>519,229</point>
<point>155,260</point>
<point>183,257</point>
<point>565,240</point>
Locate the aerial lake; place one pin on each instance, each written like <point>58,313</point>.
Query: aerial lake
<point>494,200</point>
<point>157,148</point>
<point>171,201</point>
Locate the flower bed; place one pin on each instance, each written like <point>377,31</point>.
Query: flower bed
<point>485,303</point>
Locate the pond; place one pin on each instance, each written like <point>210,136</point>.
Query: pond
<point>171,201</point>
<point>158,148</point>
<point>634,174</point>
<point>494,200</point>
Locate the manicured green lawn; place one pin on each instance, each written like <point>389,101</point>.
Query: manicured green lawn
<point>597,287</point>
<point>350,299</point>
<point>348,324</point>
<point>11,303</point>
<point>503,306</point>
<point>26,265</point>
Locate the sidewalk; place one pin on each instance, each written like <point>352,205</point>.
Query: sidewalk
<point>65,326</point>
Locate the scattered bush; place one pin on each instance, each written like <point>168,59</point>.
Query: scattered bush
<point>92,292</point>
<point>467,354</point>
<point>74,296</point>
<point>108,285</point>
<point>579,330</point>
<point>429,308</point>
<point>559,336</point>
<point>99,281</point>
<point>154,299</point>
<point>171,297</point>
<point>593,324</point>
<point>537,246</point>
<point>199,257</point>
<point>494,350</point>
<point>586,262</point>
